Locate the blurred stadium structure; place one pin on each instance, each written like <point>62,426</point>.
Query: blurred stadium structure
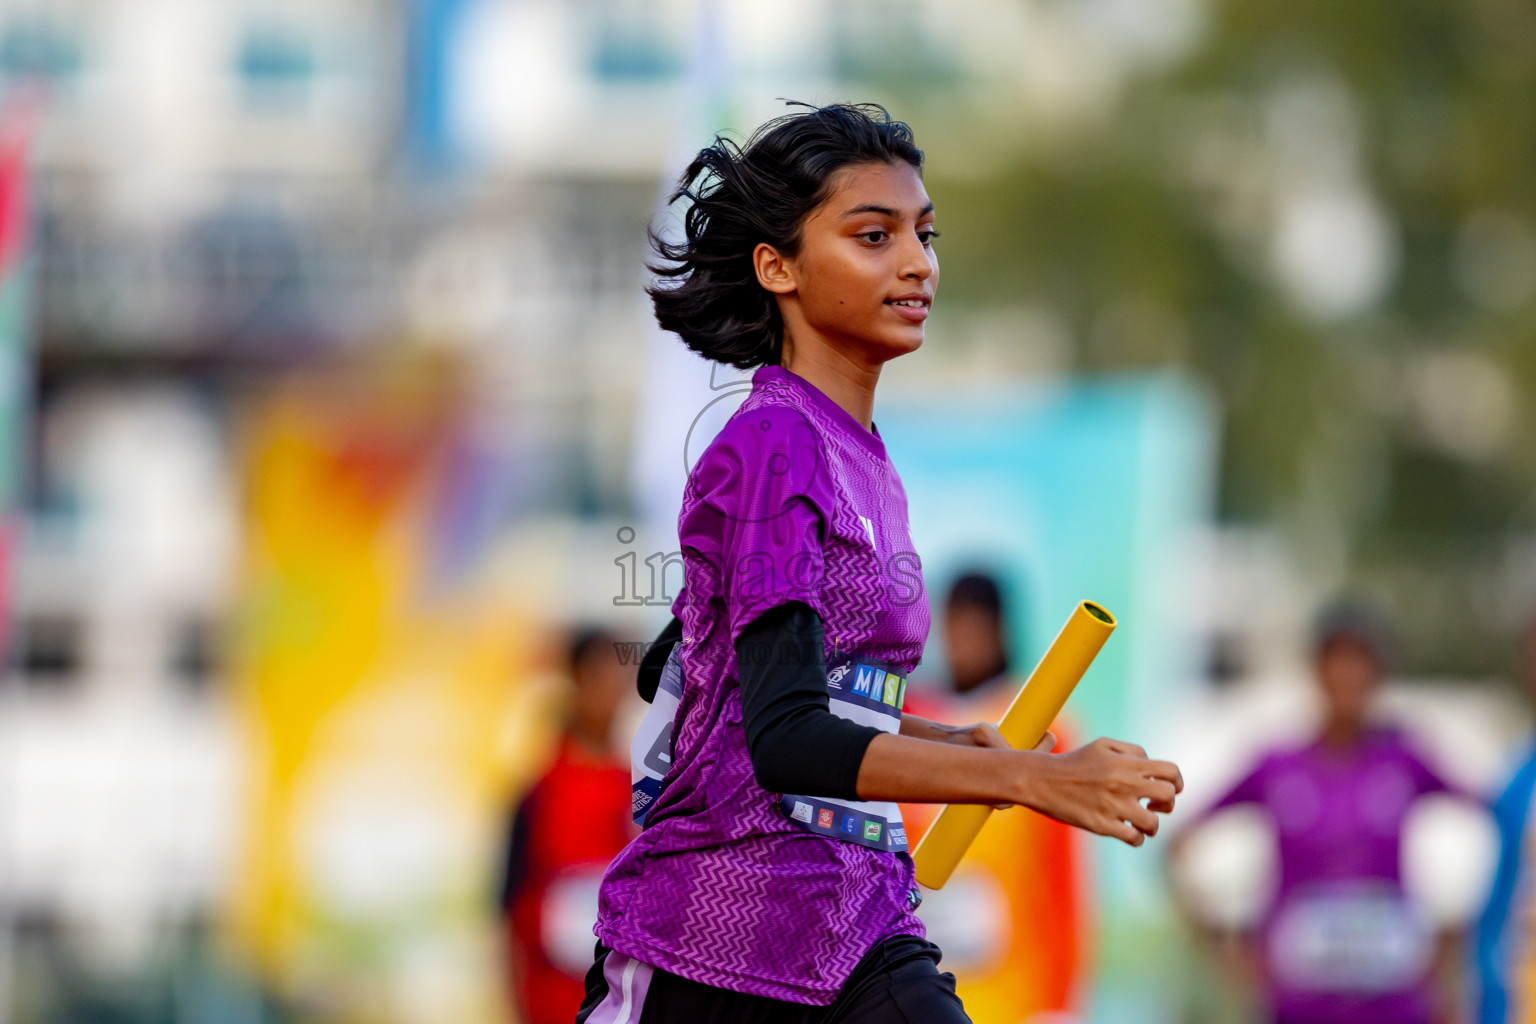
<point>306,275</point>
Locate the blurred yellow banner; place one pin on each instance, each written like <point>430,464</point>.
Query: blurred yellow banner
<point>375,687</point>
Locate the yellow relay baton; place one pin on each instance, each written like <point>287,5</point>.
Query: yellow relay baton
<point>1024,724</point>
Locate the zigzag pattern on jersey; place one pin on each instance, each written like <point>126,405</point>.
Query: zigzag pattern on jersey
<point>721,903</point>
<point>727,901</point>
<point>702,891</point>
<point>723,906</point>
<point>853,567</point>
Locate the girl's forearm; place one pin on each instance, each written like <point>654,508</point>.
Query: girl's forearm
<point>1099,787</point>
<point>924,729</point>
<point>920,770</point>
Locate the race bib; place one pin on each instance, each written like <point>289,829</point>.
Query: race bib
<point>859,690</point>
<point>650,753</point>
<point>1360,938</point>
<point>870,693</point>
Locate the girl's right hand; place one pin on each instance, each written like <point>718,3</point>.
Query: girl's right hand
<point>1100,787</point>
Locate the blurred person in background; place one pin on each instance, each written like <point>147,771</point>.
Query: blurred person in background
<point>571,823</point>
<point>1342,943</point>
<point>1506,931</point>
<point>1023,868</point>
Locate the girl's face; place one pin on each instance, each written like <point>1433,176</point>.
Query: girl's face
<point>866,271</point>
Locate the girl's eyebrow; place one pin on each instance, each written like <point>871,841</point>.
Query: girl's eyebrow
<point>884,211</point>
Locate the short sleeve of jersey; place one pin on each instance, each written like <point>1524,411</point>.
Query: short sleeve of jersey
<point>1250,789</point>
<point>763,502</point>
<point>1425,779</point>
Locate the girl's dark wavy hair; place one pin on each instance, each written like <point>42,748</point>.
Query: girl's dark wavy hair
<point>706,289</point>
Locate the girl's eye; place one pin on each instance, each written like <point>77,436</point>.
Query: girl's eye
<point>874,237</point>
<point>927,236</point>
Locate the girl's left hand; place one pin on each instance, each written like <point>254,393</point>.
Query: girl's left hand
<point>986,734</point>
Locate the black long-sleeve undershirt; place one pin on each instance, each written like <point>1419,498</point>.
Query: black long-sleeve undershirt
<point>796,743</point>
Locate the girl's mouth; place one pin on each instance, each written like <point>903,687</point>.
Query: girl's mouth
<point>915,310</point>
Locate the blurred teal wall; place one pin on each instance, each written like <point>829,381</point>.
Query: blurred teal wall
<point>1094,490</point>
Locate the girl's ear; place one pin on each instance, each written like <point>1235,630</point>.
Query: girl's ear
<point>774,272</point>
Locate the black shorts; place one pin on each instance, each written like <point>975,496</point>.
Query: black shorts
<point>897,982</point>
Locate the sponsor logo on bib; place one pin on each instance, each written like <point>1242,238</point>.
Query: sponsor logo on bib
<point>862,690</point>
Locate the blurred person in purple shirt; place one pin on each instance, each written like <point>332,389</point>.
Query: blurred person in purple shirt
<point>1342,942</point>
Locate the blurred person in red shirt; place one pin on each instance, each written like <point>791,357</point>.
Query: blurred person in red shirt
<point>571,823</point>
<point>1011,919</point>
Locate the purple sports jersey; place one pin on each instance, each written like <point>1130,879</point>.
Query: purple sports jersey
<point>793,501</point>
<point>1342,944</point>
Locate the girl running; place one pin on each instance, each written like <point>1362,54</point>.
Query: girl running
<point>772,881</point>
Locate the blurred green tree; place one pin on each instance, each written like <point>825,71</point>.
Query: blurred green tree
<point>1328,212</point>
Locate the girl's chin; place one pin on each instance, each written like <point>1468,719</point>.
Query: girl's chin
<point>882,346</point>
<point>885,353</point>
<point>900,346</point>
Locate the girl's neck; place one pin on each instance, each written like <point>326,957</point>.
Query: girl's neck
<point>848,383</point>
